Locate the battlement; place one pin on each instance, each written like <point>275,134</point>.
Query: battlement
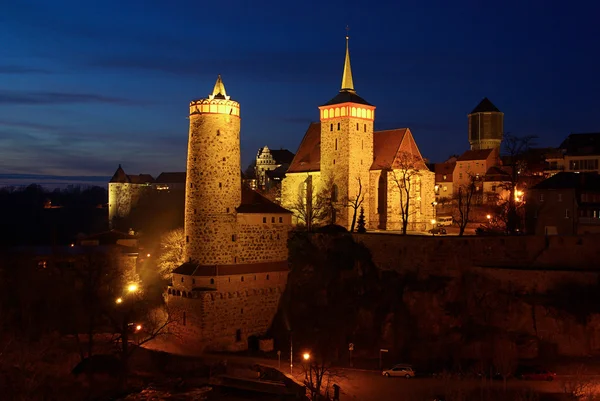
<point>215,106</point>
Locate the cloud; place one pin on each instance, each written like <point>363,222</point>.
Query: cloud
<point>19,69</point>
<point>45,98</point>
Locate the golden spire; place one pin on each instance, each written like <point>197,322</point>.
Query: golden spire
<point>347,83</point>
<point>219,89</point>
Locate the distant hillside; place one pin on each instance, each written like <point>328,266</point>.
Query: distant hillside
<point>52,181</point>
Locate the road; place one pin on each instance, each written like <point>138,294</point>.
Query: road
<point>366,385</point>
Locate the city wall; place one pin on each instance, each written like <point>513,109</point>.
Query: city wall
<point>522,261</point>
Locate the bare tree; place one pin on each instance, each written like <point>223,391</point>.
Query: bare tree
<point>515,149</point>
<point>304,207</point>
<point>319,377</point>
<point>404,172</point>
<point>464,198</point>
<point>356,203</point>
<point>171,252</point>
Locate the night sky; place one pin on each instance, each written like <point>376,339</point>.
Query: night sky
<point>85,86</point>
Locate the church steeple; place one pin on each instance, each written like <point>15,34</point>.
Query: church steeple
<point>347,83</point>
<point>219,90</point>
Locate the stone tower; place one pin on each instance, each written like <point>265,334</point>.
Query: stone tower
<point>486,125</point>
<point>213,182</point>
<point>346,145</point>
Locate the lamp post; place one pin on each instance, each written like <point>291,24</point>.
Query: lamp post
<point>291,355</point>
<point>433,205</point>
<point>381,351</point>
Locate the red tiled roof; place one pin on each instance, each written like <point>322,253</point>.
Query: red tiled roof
<point>385,147</point>
<point>482,154</point>
<point>444,169</point>
<point>308,157</point>
<point>194,269</point>
<point>253,202</point>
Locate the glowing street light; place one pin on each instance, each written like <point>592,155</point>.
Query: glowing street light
<point>132,288</point>
<point>306,356</point>
<point>119,300</point>
<point>138,327</point>
<point>488,216</point>
<point>433,222</point>
<point>148,255</point>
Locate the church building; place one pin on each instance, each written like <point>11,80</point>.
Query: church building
<point>343,159</point>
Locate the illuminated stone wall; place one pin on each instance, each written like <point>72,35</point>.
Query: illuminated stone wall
<point>213,318</point>
<point>291,189</point>
<point>122,198</point>
<point>262,237</point>
<point>347,155</point>
<point>213,186</point>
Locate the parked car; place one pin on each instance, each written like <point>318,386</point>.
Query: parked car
<point>438,231</point>
<point>535,373</point>
<point>400,370</point>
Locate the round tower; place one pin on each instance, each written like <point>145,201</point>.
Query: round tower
<point>213,181</point>
<point>486,125</point>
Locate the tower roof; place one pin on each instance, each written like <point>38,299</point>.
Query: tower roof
<point>120,176</point>
<point>485,106</point>
<point>347,92</point>
<point>347,83</point>
<point>219,90</point>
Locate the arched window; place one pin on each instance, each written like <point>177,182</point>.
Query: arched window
<point>326,114</point>
<point>178,293</point>
<point>212,280</point>
<point>337,111</point>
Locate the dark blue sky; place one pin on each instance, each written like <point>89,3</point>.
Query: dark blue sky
<point>85,86</point>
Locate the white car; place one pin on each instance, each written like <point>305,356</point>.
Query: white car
<point>400,371</point>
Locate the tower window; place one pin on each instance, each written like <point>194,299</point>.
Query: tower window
<point>224,158</point>
<point>264,219</point>
<point>267,276</point>
<point>194,211</point>
<point>187,238</point>
<point>242,278</point>
<point>335,143</point>
<point>212,280</point>
<point>365,127</point>
<point>233,238</point>
<point>182,280</point>
<point>191,185</point>
<point>338,126</point>
<point>218,132</point>
<point>331,127</point>
<point>333,161</point>
<point>281,219</point>
<point>272,219</point>
<point>227,210</point>
<point>220,185</point>
<point>357,126</point>
<point>362,145</point>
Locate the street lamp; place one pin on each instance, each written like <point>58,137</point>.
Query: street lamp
<point>132,288</point>
<point>138,327</point>
<point>489,217</point>
<point>306,356</point>
<point>119,300</point>
<point>433,227</point>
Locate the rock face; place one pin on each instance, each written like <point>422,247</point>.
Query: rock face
<point>434,306</point>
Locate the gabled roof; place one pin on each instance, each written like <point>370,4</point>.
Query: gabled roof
<point>308,157</point>
<point>568,180</point>
<point>444,169</point>
<point>119,176</point>
<point>582,144</point>
<point>386,145</point>
<point>195,269</point>
<point>485,106</point>
<point>253,202</point>
<point>282,156</point>
<point>171,178</point>
<point>469,155</point>
<point>141,179</point>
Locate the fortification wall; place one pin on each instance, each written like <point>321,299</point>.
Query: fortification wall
<point>224,319</point>
<point>122,197</point>
<point>291,189</point>
<point>262,238</point>
<point>524,261</point>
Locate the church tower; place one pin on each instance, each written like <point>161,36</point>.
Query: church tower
<point>347,145</point>
<point>486,125</point>
<point>213,181</point>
